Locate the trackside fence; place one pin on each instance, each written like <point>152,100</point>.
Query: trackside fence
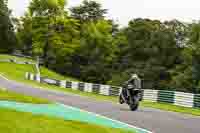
<point>82,86</point>
<point>163,96</point>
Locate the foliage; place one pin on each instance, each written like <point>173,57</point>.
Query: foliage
<point>147,48</point>
<point>46,7</point>
<point>7,36</point>
<point>24,34</point>
<point>54,35</point>
<point>86,45</point>
<point>88,11</point>
<point>96,52</point>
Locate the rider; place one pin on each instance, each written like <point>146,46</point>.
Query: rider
<point>135,81</point>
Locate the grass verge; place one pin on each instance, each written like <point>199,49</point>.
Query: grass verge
<point>15,122</point>
<point>170,107</point>
<point>11,96</point>
<point>18,122</point>
<point>162,106</point>
<point>17,72</point>
<point>46,72</point>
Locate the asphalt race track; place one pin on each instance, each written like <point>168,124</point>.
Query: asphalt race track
<point>154,120</point>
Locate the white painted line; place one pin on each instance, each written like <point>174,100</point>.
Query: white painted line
<point>3,77</point>
<point>106,118</point>
<point>56,91</point>
<point>70,93</point>
<point>3,89</point>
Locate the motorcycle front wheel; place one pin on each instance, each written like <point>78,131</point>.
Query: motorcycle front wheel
<point>121,100</point>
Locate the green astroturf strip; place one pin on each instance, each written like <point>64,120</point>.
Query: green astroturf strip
<point>68,113</point>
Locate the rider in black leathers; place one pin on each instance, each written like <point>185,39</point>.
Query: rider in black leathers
<point>135,81</point>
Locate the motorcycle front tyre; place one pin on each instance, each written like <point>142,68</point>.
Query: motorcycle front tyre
<point>121,100</point>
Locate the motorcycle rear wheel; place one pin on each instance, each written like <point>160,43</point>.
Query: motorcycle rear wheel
<point>134,107</point>
<point>134,103</point>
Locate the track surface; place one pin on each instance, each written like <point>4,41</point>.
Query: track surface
<point>154,120</point>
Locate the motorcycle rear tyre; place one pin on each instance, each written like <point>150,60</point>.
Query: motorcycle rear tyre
<point>134,104</point>
<point>134,107</point>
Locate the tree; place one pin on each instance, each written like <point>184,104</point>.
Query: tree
<point>180,30</point>
<point>55,36</point>
<point>45,14</point>
<point>149,49</point>
<point>182,75</point>
<point>95,55</point>
<point>24,34</point>
<point>47,7</point>
<point>115,26</point>
<point>193,48</point>
<point>88,11</point>
<point>7,36</point>
<point>92,48</point>
<point>63,45</point>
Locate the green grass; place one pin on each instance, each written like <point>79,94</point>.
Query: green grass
<point>170,107</point>
<point>18,122</point>
<point>46,72</point>
<point>11,96</point>
<point>17,72</point>
<point>162,106</point>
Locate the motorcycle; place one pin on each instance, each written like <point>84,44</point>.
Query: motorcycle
<point>131,96</point>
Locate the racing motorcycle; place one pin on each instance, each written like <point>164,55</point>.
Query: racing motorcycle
<point>131,96</point>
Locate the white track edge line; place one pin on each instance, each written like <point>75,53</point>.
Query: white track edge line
<point>1,75</point>
<point>105,118</point>
<point>95,113</point>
